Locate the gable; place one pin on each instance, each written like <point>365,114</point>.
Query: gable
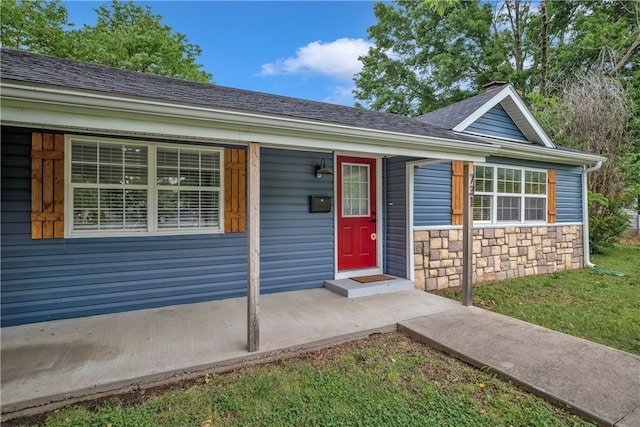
<point>497,123</point>
<point>515,108</point>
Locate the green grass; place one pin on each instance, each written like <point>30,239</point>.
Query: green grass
<point>598,307</point>
<point>385,380</point>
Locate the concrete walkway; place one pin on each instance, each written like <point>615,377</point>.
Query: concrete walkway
<point>598,382</point>
<point>76,358</point>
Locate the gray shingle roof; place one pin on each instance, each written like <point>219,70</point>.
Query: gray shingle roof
<point>29,67</point>
<point>452,115</point>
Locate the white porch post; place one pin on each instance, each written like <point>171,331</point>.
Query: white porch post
<point>467,235</point>
<point>253,244</point>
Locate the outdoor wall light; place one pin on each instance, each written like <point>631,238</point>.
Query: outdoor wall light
<point>322,169</point>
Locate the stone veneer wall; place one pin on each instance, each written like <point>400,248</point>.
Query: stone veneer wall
<point>498,253</point>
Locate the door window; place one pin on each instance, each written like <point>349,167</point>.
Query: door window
<point>355,190</point>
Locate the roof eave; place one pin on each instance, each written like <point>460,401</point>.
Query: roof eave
<point>240,126</point>
<point>546,154</point>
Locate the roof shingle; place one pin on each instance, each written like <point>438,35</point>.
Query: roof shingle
<point>29,67</point>
<point>454,114</point>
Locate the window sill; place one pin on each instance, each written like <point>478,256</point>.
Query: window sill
<point>93,235</point>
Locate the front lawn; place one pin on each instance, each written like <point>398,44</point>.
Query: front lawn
<point>593,305</point>
<point>384,380</point>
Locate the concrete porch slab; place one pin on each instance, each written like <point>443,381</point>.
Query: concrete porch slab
<point>353,289</point>
<point>77,358</point>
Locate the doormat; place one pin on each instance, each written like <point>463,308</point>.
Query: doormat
<point>374,278</point>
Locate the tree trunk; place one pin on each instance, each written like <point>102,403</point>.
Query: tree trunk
<point>544,40</point>
<point>625,58</point>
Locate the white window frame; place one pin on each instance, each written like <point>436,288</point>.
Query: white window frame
<point>521,195</point>
<point>152,187</point>
<point>368,169</point>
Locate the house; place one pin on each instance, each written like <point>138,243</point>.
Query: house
<point>124,191</point>
<point>634,220</point>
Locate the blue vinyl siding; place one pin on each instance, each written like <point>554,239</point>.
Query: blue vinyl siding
<point>497,122</point>
<point>62,278</point>
<point>568,186</point>
<point>432,195</point>
<point>296,246</point>
<point>396,216</point>
<point>568,194</point>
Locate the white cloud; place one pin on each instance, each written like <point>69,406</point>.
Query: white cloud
<point>340,95</point>
<point>337,59</point>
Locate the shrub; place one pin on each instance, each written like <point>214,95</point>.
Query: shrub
<point>607,222</point>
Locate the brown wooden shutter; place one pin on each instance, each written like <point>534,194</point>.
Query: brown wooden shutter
<point>47,186</point>
<point>457,190</point>
<point>551,196</point>
<point>234,190</point>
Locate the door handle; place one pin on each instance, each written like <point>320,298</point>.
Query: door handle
<point>373,220</point>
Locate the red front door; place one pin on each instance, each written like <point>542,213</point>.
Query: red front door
<point>356,212</point>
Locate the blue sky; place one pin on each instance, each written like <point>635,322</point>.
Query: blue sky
<point>304,49</point>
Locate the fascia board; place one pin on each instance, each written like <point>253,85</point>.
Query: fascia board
<point>521,108</point>
<point>543,154</point>
<point>100,113</point>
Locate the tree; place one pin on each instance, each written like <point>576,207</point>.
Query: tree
<point>124,36</point>
<point>429,54</point>
<point>36,26</point>
<point>591,113</point>
<point>131,37</point>
<point>601,37</point>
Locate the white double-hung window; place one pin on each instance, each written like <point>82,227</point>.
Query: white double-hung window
<point>509,195</point>
<point>121,188</point>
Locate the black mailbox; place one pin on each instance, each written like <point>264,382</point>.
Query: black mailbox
<point>320,204</point>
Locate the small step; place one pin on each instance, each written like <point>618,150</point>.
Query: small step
<point>352,289</point>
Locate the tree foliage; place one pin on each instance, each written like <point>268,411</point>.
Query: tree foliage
<point>429,53</point>
<point>124,36</point>
<point>130,36</point>
<point>33,26</point>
